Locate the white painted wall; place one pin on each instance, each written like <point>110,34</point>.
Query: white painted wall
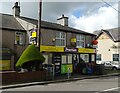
<point>104,48</point>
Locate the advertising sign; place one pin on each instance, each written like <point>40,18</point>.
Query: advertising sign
<point>64,68</point>
<point>5,65</point>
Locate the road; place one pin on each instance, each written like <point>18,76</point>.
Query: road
<point>96,85</point>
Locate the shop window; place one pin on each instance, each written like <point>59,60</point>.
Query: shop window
<point>69,58</point>
<point>80,41</point>
<point>98,57</point>
<point>115,57</point>
<point>46,59</point>
<point>92,57</point>
<point>60,39</point>
<point>85,57</point>
<point>63,59</point>
<point>20,38</point>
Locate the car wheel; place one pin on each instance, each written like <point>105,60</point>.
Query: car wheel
<point>114,68</point>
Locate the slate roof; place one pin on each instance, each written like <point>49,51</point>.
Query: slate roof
<point>114,33</point>
<point>50,25</point>
<point>8,21</point>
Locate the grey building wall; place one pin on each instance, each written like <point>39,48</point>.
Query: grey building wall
<point>8,41</point>
<point>47,36</point>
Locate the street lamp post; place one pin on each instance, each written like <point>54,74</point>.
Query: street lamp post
<point>39,25</point>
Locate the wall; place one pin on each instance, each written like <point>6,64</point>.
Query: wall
<point>104,48</point>
<point>22,77</point>
<point>8,41</point>
<point>47,36</point>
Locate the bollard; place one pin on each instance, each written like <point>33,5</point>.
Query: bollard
<point>68,73</point>
<point>53,71</point>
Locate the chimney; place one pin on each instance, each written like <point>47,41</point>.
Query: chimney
<point>16,10</point>
<point>63,20</point>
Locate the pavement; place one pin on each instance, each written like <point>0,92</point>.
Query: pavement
<point>58,79</point>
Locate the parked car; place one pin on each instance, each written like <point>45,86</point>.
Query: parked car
<point>110,65</point>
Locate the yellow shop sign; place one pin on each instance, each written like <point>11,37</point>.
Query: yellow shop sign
<point>86,50</point>
<point>51,49</point>
<point>4,64</point>
<point>62,49</point>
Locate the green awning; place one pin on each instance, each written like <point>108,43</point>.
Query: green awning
<point>31,53</point>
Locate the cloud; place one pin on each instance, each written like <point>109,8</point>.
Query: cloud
<point>88,16</point>
<point>105,18</point>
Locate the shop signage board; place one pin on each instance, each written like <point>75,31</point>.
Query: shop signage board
<point>64,68</point>
<point>52,49</point>
<point>66,49</point>
<point>86,50</point>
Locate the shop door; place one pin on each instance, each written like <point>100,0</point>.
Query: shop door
<point>57,63</point>
<point>75,61</point>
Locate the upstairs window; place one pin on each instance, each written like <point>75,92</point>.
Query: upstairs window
<point>60,39</point>
<point>80,41</point>
<point>20,38</point>
<point>115,57</point>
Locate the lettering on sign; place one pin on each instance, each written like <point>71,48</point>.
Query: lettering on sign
<point>70,49</point>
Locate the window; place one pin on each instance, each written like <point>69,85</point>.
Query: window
<point>98,57</point>
<point>115,57</point>
<point>85,57</point>
<point>69,58</point>
<point>46,58</point>
<point>64,59</point>
<point>93,57</point>
<point>20,38</point>
<point>60,39</point>
<point>80,41</point>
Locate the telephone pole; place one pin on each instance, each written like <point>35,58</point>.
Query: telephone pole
<point>39,25</point>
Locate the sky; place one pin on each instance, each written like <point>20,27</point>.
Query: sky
<point>83,15</point>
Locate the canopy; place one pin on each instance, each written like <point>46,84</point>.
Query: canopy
<point>30,54</point>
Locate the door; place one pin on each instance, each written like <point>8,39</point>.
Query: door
<point>57,63</point>
<point>75,61</point>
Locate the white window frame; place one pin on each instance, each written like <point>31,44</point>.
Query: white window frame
<point>61,37</point>
<point>21,38</point>
<point>80,40</point>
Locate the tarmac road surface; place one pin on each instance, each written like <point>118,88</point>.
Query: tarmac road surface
<point>96,85</point>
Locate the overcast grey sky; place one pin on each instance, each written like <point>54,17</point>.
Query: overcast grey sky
<point>87,16</point>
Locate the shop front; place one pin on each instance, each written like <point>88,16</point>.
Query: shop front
<point>5,59</point>
<point>67,59</point>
